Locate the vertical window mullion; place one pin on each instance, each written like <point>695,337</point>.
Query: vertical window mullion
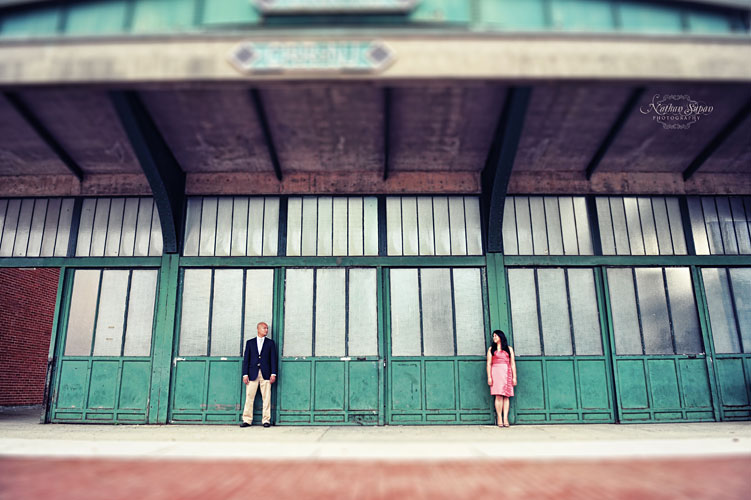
<point>211,308</point>
<point>419,302</point>
<point>242,309</point>
<point>638,308</point>
<point>735,310</point>
<point>314,308</point>
<point>346,304</point>
<point>453,308</point>
<point>670,310</point>
<point>96,309</point>
<point>539,315</point>
<point>570,313</point>
<point>125,312</point>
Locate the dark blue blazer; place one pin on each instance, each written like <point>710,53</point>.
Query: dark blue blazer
<point>266,360</point>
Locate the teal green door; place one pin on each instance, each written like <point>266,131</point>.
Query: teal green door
<point>219,310</point>
<point>728,299</point>
<point>436,347</point>
<point>103,367</point>
<point>562,352</point>
<point>660,361</point>
<point>332,364</point>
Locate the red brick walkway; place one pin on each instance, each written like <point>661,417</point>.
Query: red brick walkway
<point>80,479</point>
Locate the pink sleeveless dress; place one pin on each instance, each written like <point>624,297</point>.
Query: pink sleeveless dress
<point>500,371</point>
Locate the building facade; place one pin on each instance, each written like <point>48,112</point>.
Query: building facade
<point>384,183</point>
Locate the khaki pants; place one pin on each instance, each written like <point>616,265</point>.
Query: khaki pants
<point>250,396</point>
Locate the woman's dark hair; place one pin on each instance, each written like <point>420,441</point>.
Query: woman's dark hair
<point>504,343</point>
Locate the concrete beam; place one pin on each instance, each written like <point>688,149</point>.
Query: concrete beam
<point>656,183</point>
<point>243,183</point>
<point>67,185</point>
<point>515,57</point>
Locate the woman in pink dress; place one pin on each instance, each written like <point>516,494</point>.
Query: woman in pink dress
<point>501,375</point>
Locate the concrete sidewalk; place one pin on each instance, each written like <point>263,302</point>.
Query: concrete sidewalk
<point>21,435</point>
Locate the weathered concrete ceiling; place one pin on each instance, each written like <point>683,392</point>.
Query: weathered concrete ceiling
<point>329,138</point>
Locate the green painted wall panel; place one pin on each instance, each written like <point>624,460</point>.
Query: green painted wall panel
<point>72,386</point>
<point>663,381</point>
<point>645,18</point>
<point>225,386</point>
<point>189,385</point>
<point>329,385</point>
<point>513,14</point>
<point>449,11</point>
<point>582,15</point>
<point>474,393</point>
<point>406,385</point>
<point>593,384</point>
<point>103,385</point>
<point>295,385</point>
<point>561,384</point>
<point>229,12</point>
<point>96,18</point>
<point>43,21</point>
<point>695,383</point>
<point>440,385</point>
<point>709,23</point>
<point>363,385</point>
<point>530,389</point>
<point>134,388</point>
<point>154,16</point>
<point>632,387</point>
<point>733,389</point>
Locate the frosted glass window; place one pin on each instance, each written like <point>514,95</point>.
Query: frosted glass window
<point>510,243</point>
<point>36,231</point>
<point>130,218</point>
<point>363,313</point>
<point>355,221</point>
<point>223,227</point>
<point>340,227</point>
<point>325,225</point>
<point>523,293</point>
<point>143,227</point>
<point>425,225</point>
<point>741,280</point>
<point>437,225</point>
<point>405,313</point>
<point>546,225</point>
<point>409,226</point>
<point>437,312</point>
<point>82,313</point>
<point>683,312</point>
<point>115,227</point>
<point>309,225</point>
<point>470,324</point>
<point>110,322</point>
<point>208,226</point>
<point>24,228</point>
<point>625,316</point>
<point>584,312</point>
<point>653,310</point>
<point>226,313</point>
<point>330,307</point>
<point>35,227</point>
<point>458,226</point>
<point>298,312</point>
<point>728,294</point>
<point>256,224</point>
<point>294,227</point>
<point>239,245</point>
<point>140,319</point>
<point>370,225</point>
<point>194,319</point>
<point>236,226</point>
<point>720,224</point>
<point>259,301</point>
<point>394,225</point>
<point>640,226</point>
<point>554,314</point>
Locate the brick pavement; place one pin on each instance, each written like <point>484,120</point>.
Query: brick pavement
<point>82,479</point>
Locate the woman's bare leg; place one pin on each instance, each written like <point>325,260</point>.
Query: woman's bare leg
<point>499,410</point>
<point>506,405</point>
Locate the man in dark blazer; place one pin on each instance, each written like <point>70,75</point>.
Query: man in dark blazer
<point>259,368</point>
